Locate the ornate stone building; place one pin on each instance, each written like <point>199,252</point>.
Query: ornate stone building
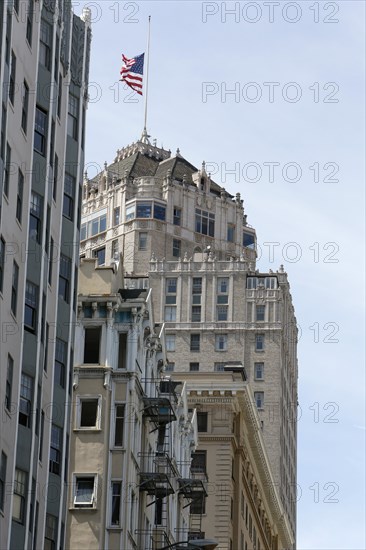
<point>186,238</point>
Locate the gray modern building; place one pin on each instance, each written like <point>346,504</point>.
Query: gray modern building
<point>44,65</point>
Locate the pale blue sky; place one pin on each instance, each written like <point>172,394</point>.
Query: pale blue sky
<point>185,54</point>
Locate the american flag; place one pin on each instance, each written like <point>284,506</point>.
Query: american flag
<point>132,71</point>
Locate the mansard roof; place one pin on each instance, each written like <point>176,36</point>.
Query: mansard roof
<point>139,160</point>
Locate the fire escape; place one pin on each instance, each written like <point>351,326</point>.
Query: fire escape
<point>160,475</point>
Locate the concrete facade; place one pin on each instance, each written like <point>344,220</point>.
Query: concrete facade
<point>135,452</point>
<point>44,71</point>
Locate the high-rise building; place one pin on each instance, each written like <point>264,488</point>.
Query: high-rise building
<point>185,237</point>
<point>44,65</point>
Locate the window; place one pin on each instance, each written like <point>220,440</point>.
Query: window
<point>3,128</point>
<point>198,506</point>
<point>259,342</point>
<point>25,401</point>
<point>199,460</point>
<point>3,463</point>
<point>270,282</point>
<point>69,195</point>
<point>221,342</point>
<point>16,6</point>
<point>91,345</point>
<point>73,116</point>
<point>177,216</point>
<point>100,255</point>
<point>9,382</point>
<point>31,306</point>
<point>219,367</point>
<point>258,371</point>
<point>20,487</point>
<point>171,286</point>
<point>196,314</point>
<point>205,223</point>
<point>19,206</point>
<point>25,104</point>
<point>29,30</point>
<point>50,533</point>
<point>115,250</point>
<point>248,240</point>
<point>89,412</point>
<point>40,131</point>
<point>252,282</point>
<point>197,285</point>
<point>14,288</point>
<point>7,169</point>
<point>55,450</point>
<point>194,367</point>
<point>223,285</point>
<point>119,425</point>
<point>259,399</point>
<point>12,79</point>
<point>64,278</point>
<point>169,367</point>
<point>97,225</point>
<point>142,241</point>
<point>55,178</point>
<point>83,232</point>
<point>45,44</point>
<point>85,491</point>
<point>60,362</point>
<point>230,232</point>
<point>170,313</point>
<point>170,342</point>
<point>59,96</point>
<point>202,418</point>
<point>122,344</point>
<point>116,503</point>
<point>222,313</point>
<point>36,211</point>
<point>176,248</point>
<point>159,211</point>
<point>259,310</point>
<point>2,263</point>
<point>195,342</point>
<point>116,215</point>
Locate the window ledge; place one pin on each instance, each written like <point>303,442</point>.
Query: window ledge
<point>83,509</point>
<point>87,430</point>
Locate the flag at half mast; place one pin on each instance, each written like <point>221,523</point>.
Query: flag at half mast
<point>132,72</point>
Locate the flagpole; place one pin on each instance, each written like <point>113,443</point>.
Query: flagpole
<point>144,133</point>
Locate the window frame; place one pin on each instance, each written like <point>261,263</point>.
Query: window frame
<point>20,191</point>
<point>55,465</point>
<point>260,318</point>
<point>40,131</point>
<point>68,204</point>
<point>260,338</point>
<point>260,366</point>
<point>31,303</point>
<point>222,312</point>
<point>20,490</point>
<point>221,342</point>
<point>195,342</point>
<point>259,399</point>
<point>170,342</point>
<point>204,222</point>
<point>14,288</point>
<point>25,107</point>
<point>77,477</point>
<point>177,247</point>
<point>142,240</point>
<point>60,363</point>
<point>64,280</point>
<point>73,116</point>
<point>45,44</point>
<point>177,216</point>
<point>112,524</point>
<point>117,417</point>
<point>80,399</point>
<point>9,382</point>
<point>170,314</point>
<point>35,214</point>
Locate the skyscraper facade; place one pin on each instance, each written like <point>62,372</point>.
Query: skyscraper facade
<point>44,65</point>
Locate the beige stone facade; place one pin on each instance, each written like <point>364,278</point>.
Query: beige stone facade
<point>131,435</point>
<point>186,238</point>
